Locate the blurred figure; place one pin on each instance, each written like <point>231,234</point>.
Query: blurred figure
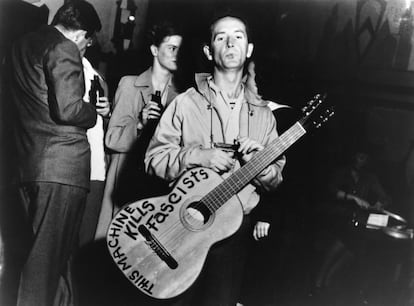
<point>47,84</point>
<point>353,192</point>
<point>133,122</point>
<point>355,185</point>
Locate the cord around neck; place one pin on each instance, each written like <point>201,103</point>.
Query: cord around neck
<point>210,108</point>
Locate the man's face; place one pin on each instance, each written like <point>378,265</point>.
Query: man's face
<point>229,44</point>
<point>167,52</point>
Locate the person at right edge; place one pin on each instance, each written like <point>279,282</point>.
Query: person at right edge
<point>222,108</point>
<point>354,190</point>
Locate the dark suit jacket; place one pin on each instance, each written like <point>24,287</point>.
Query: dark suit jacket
<point>51,122</point>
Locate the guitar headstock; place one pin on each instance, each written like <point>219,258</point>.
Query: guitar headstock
<point>314,114</point>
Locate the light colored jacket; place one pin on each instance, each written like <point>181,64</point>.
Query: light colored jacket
<point>132,94</point>
<point>190,122</point>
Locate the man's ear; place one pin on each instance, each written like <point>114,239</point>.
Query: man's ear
<point>154,50</point>
<point>207,52</point>
<point>250,48</point>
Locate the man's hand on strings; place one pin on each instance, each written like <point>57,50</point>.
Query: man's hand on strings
<point>247,148</point>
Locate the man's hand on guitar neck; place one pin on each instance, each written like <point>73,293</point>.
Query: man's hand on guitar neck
<point>269,178</point>
<point>247,149</point>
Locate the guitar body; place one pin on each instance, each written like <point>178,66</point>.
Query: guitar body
<point>160,244</point>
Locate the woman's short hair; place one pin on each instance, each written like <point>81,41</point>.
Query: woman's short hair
<point>162,30</point>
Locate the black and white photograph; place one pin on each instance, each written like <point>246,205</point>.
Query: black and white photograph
<point>206,152</point>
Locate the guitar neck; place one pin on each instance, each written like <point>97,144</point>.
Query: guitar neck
<point>240,178</point>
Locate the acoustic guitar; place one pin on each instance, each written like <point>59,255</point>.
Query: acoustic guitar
<point>160,244</point>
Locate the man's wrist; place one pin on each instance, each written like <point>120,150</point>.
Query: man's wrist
<point>194,158</point>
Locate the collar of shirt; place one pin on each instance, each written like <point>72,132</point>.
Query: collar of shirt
<point>219,95</point>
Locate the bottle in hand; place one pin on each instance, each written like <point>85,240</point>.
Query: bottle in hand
<point>157,99</point>
<point>96,91</point>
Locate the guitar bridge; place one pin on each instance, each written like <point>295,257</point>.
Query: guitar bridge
<point>157,247</point>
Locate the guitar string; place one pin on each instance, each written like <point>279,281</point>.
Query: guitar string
<point>263,161</point>
<point>217,194</point>
<point>171,236</point>
<point>176,236</point>
<point>220,197</point>
<point>221,194</point>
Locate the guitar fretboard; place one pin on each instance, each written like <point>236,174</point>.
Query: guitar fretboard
<point>240,178</point>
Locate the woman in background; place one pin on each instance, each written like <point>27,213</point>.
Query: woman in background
<point>133,122</point>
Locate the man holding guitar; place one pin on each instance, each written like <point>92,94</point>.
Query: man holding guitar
<point>197,130</point>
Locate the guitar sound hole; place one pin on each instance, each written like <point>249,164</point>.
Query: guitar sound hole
<point>197,215</point>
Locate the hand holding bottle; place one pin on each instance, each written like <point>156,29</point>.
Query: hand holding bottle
<point>97,97</point>
<point>103,107</point>
<point>153,109</point>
